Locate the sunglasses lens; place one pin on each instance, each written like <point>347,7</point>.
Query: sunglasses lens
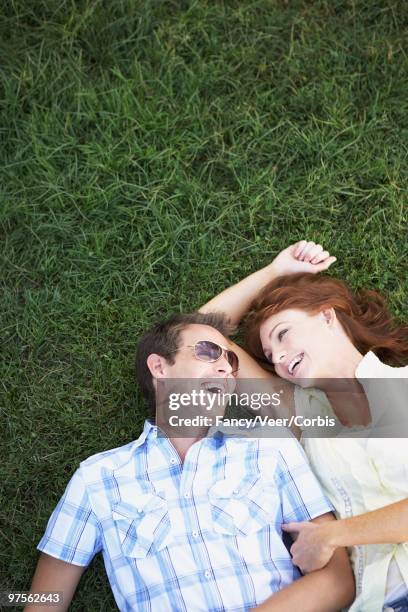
<point>207,351</point>
<point>210,351</point>
<point>233,360</point>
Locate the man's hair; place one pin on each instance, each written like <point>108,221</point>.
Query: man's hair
<point>164,339</point>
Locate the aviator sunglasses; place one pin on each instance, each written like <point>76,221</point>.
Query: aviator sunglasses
<point>206,350</point>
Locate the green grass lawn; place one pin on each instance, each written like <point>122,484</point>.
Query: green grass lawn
<point>153,152</point>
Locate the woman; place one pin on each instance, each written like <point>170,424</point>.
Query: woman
<point>312,329</point>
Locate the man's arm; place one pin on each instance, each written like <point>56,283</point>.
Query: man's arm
<point>315,545</point>
<point>53,575</point>
<point>300,257</point>
<point>71,540</point>
<point>326,590</point>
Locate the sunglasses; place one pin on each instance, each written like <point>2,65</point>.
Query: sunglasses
<point>205,350</point>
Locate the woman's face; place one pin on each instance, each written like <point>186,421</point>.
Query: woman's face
<point>301,346</point>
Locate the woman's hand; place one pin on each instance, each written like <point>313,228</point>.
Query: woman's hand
<point>300,257</point>
<point>315,543</point>
<point>303,256</point>
<point>311,550</point>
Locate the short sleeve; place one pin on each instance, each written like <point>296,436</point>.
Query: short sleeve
<point>301,496</point>
<point>73,533</point>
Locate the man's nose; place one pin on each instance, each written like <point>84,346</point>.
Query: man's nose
<point>223,365</point>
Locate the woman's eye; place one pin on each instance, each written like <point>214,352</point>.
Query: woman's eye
<point>281,333</point>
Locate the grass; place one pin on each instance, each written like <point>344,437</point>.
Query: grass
<point>151,154</point>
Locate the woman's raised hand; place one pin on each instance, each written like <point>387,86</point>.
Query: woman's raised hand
<point>302,256</point>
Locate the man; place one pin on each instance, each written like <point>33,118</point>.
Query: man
<point>187,523</point>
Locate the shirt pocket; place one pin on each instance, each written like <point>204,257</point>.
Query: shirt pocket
<point>241,507</point>
<point>143,529</point>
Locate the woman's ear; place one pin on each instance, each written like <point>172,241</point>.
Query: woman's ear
<point>329,315</point>
<point>156,364</point>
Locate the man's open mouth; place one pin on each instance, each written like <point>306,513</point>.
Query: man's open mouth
<point>295,363</point>
<point>214,387</point>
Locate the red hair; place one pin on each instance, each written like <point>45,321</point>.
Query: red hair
<point>363,315</point>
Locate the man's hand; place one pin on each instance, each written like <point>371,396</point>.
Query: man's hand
<point>302,257</point>
<point>312,549</point>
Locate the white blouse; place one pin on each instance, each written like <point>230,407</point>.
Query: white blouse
<point>362,474</point>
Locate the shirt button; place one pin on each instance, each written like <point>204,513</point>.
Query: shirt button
<point>207,574</point>
<point>187,495</point>
<point>173,461</point>
<point>195,534</point>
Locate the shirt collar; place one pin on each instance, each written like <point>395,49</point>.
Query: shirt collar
<point>370,367</point>
<point>224,432</point>
<point>218,433</point>
<point>150,430</point>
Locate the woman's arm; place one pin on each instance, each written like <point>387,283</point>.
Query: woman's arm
<point>300,257</point>
<point>315,544</point>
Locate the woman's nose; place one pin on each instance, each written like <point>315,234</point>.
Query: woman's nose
<point>280,356</point>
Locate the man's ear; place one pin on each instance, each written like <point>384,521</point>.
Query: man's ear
<point>156,364</point>
<point>329,315</point>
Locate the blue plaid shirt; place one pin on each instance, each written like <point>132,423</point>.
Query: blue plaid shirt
<point>203,535</point>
